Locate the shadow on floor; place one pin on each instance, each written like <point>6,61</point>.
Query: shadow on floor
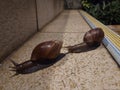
<point>82,47</point>
<point>38,66</point>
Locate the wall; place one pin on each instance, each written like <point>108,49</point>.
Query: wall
<point>72,4</point>
<point>50,9</point>
<point>18,21</point>
<point>17,24</point>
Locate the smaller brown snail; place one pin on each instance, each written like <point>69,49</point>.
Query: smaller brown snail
<point>43,53</point>
<point>92,38</point>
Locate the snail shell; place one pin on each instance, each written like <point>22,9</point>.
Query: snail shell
<point>94,37</point>
<point>46,50</point>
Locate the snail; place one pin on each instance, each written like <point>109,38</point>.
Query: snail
<point>47,52</point>
<point>92,38</point>
<point>43,53</point>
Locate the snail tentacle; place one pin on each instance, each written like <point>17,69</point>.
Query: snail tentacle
<point>14,63</point>
<point>14,75</point>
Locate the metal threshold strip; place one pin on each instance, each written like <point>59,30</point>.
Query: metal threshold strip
<point>111,40</point>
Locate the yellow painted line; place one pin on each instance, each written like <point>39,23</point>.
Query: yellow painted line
<point>111,35</point>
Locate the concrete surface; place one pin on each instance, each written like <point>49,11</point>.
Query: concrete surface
<point>17,24</point>
<point>67,22</point>
<point>73,4</point>
<point>115,28</point>
<point>92,70</point>
<point>47,10</point>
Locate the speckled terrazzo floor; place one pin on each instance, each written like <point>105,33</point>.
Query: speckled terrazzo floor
<point>92,70</point>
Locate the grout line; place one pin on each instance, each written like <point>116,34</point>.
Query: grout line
<point>36,10</point>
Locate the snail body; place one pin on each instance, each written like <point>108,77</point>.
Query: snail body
<point>43,53</point>
<point>92,38</point>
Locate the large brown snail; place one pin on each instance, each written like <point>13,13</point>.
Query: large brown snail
<point>43,53</point>
<point>47,51</point>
